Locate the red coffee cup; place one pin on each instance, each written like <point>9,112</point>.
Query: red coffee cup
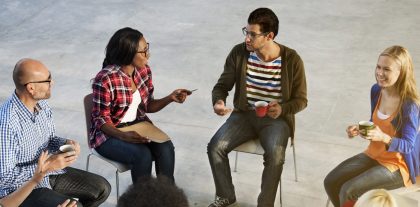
<point>261,108</point>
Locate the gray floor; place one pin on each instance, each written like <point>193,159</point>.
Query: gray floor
<point>338,40</point>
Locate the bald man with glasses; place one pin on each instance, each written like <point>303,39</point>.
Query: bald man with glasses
<point>27,132</point>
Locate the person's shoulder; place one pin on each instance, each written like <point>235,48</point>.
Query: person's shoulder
<point>7,113</point>
<point>375,89</point>
<point>287,51</point>
<point>106,72</point>
<point>240,47</point>
<point>411,107</point>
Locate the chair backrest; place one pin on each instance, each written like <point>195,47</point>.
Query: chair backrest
<point>88,104</point>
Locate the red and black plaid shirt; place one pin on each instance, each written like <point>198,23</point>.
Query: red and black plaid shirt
<point>112,95</point>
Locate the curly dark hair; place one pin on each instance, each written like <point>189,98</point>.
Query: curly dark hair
<point>153,192</point>
<point>266,18</point>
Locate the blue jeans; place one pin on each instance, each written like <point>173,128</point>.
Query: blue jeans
<point>357,175</point>
<point>140,156</point>
<point>239,128</point>
<point>89,188</point>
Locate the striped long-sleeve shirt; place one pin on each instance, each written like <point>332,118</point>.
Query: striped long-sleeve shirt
<point>263,80</point>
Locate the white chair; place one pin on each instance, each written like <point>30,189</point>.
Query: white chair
<point>120,168</point>
<point>253,146</point>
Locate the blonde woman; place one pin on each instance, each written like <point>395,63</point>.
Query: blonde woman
<point>392,157</point>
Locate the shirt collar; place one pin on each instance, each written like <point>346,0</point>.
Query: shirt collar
<point>23,111</point>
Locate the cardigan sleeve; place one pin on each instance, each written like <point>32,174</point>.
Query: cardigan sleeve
<point>409,130</point>
<point>227,78</point>
<point>298,94</point>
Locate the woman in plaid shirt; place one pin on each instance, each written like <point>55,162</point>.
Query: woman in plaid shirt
<point>122,95</point>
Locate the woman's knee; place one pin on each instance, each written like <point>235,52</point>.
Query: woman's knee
<point>349,191</point>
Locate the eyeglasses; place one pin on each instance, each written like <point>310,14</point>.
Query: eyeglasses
<point>252,35</point>
<point>44,81</point>
<point>146,50</point>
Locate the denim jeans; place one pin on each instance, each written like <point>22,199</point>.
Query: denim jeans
<point>89,188</point>
<point>140,156</point>
<point>357,175</point>
<point>239,128</point>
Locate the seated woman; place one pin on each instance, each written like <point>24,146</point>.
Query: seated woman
<point>122,95</point>
<point>392,157</point>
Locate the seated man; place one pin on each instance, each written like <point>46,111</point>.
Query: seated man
<point>26,131</point>
<point>261,70</point>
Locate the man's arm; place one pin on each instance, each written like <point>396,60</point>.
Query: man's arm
<point>226,80</point>
<point>11,175</point>
<point>298,96</point>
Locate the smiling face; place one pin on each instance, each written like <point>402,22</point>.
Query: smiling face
<point>387,71</point>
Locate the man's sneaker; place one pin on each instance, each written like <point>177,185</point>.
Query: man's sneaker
<point>222,202</point>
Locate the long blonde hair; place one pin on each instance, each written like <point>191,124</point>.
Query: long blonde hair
<point>406,83</point>
<point>376,198</point>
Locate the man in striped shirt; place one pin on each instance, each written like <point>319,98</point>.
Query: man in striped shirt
<point>27,130</point>
<point>261,70</point>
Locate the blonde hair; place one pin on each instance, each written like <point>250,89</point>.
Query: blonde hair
<point>376,198</point>
<point>406,83</point>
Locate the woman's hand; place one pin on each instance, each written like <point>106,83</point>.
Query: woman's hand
<point>42,168</point>
<point>134,137</point>
<point>67,203</point>
<point>377,135</point>
<point>352,131</point>
<point>179,95</point>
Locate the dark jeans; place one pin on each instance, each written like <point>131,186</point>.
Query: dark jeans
<point>357,175</point>
<point>89,188</point>
<point>239,128</point>
<point>140,156</point>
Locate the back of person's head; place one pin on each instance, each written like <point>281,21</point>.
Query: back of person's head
<point>376,198</point>
<point>267,20</point>
<point>153,192</point>
<point>406,83</point>
<point>122,47</point>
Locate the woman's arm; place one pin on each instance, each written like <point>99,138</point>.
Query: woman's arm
<point>178,95</point>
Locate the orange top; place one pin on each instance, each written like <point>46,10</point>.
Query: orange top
<point>377,150</point>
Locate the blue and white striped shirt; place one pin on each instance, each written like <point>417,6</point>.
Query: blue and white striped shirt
<point>23,136</point>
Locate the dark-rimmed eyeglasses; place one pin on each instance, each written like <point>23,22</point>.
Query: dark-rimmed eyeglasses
<point>252,35</point>
<point>44,81</point>
<point>146,50</point>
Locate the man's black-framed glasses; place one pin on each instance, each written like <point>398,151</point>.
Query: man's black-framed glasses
<point>252,35</point>
<point>44,81</point>
<point>146,50</point>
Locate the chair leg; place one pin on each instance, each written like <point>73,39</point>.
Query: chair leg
<point>281,199</point>
<point>118,184</point>
<point>294,161</point>
<point>87,162</point>
<point>236,161</point>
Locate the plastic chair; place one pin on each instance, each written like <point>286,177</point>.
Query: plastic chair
<point>253,146</point>
<point>120,168</point>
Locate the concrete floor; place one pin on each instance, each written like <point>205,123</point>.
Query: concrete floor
<point>338,40</point>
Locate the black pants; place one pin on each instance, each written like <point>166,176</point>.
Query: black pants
<point>90,189</point>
